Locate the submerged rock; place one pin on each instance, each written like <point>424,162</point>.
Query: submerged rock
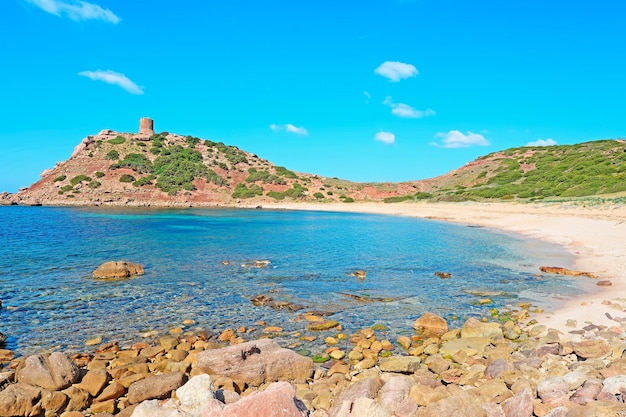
<point>564,271</point>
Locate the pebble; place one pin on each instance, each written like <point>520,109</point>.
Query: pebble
<point>94,341</point>
<point>337,354</point>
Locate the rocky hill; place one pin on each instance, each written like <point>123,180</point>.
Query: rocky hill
<point>164,169</point>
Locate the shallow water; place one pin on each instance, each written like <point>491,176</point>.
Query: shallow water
<point>51,302</point>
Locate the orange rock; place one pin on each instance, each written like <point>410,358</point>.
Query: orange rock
<point>273,329</point>
<point>564,271</point>
<point>312,317</point>
<point>431,324</point>
<point>226,335</point>
<point>386,344</point>
<point>176,330</point>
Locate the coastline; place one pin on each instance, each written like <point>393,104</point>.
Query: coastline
<point>595,235</point>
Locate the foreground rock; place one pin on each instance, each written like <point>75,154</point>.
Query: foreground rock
<point>256,363</point>
<point>52,372</point>
<point>118,269</point>
<point>481,369</point>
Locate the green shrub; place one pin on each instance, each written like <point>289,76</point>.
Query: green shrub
<point>284,172</point>
<point>348,200</point>
<point>127,178</point>
<point>191,141</point>
<point>137,162</point>
<point>144,181</point>
<point>66,188</point>
<point>94,184</point>
<point>241,191</point>
<point>178,168</point>
<point>398,198</point>
<point>155,150</point>
<point>79,178</point>
<point>296,191</point>
<point>318,195</point>
<point>214,177</point>
<point>276,195</point>
<point>99,174</point>
<point>112,154</point>
<point>264,176</point>
<point>117,140</point>
<point>422,195</point>
<point>60,178</point>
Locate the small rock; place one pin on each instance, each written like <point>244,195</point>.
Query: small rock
<point>431,324</point>
<point>323,325</point>
<point>475,328</point>
<point>94,341</point>
<point>337,354</point>
<point>553,391</point>
<point>196,394</point>
<point>279,397</point>
<point>404,341</point>
<point>20,400</point>
<point>155,387</point>
<point>591,349</point>
<point>94,381</point>
<point>400,364</point>
<point>520,405</point>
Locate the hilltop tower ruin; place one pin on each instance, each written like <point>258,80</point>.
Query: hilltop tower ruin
<point>146,126</point>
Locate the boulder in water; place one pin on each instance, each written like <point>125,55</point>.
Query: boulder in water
<point>118,269</point>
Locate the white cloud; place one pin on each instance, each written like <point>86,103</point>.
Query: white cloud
<point>404,110</point>
<point>456,139</point>
<point>300,131</point>
<point>542,142</point>
<point>76,10</point>
<point>396,71</point>
<point>385,137</point>
<point>367,95</point>
<point>112,77</point>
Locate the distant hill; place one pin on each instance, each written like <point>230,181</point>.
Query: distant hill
<point>165,169</point>
<point>531,173</point>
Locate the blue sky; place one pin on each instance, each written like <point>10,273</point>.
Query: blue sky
<point>378,90</point>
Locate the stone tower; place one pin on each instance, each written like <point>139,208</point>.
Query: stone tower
<point>146,126</point>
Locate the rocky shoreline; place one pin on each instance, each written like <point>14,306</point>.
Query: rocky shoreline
<point>511,368</point>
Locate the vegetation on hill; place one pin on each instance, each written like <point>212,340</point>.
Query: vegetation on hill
<point>532,173</point>
<point>166,166</point>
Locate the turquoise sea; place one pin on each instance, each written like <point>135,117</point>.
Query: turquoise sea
<point>50,301</point>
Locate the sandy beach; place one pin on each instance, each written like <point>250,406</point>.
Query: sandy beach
<point>595,235</point>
